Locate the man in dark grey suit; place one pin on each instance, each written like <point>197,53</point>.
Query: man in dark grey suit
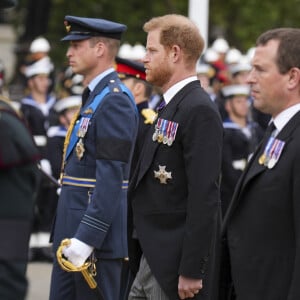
<point>262,224</point>
<point>174,192</point>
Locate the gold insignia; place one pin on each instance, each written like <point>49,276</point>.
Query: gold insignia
<point>160,137</point>
<point>262,159</point>
<point>68,27</point>
<point>162,174</point>
<point>149,115</point>
<point>116,90</point>
<point>80,149</point>
<point>88,111</point>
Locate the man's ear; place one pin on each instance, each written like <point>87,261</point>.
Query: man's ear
<point>294,78</point>
<point>175,52</point>
<point>138,87</point>
<point>227,105</point>
<point>100,48</point>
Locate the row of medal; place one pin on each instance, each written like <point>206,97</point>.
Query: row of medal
<point>165,131</point>
<point>82,130</point>
<point>272,152</point>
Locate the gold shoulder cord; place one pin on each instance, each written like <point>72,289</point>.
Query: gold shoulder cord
<point>67,141</point>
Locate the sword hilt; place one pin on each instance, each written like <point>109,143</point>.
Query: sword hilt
<point>69,267</point>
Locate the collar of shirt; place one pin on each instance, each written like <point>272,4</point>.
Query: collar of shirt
<point>98,78</point>
<point>282,119</point>
<point>173,90</point>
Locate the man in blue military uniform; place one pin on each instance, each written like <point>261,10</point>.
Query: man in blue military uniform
<point>92,207</point>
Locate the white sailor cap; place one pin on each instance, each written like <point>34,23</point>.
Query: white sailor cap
<point>210,55</point>
<point>220,45</point>
<point>40,44</point>
<point>229,91</point>
<point>243,65</point>
<point>42,66</point>
<point>205,69</point>
<point>233,56</point>
<point>66,103</point>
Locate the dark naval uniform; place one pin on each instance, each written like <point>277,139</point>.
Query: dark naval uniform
<point>19,178</point>
<point>55,145</point>
<point>39,120</point>
<point>92,206</point>
<point>238,144</point>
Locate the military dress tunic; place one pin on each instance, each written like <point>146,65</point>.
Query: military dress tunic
<point>92,206</point>
<point>19,179</point>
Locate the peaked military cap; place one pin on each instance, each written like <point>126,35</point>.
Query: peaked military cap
<point>79,28</point>
<point>130,68</point>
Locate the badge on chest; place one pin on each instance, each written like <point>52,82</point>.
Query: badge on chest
<point>162,174</point>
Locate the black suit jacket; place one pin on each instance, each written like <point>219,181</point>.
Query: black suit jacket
<point>177,223</point>
<point>263,225</point>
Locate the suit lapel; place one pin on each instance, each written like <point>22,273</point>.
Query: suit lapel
<point>253,168</point>
<point>150,147</point>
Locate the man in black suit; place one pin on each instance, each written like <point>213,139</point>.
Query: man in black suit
<point>262,224</point>
<point>174,191</point>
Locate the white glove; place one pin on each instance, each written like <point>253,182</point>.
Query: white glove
<point>46,166</point>
<point>58,191</point>
<point>77,252</point>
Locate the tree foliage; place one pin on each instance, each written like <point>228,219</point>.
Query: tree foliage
<point>240,22</point>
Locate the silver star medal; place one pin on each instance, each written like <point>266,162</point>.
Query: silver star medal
<point>162,174</point>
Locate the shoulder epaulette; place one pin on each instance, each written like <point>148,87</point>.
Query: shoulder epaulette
<point>114,86</point>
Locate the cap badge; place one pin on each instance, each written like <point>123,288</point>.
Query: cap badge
<point>88,111</point>
<point>68,27</point>
<point>162,174</point>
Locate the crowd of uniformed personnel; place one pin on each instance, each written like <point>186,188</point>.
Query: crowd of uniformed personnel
<point>41,165</point>
<point>51,98</point>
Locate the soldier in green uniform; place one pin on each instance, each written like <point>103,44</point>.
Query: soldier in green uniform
<point>19,178</point>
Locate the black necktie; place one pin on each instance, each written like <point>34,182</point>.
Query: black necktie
<point>85,95</point>
<point>271,127</point>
